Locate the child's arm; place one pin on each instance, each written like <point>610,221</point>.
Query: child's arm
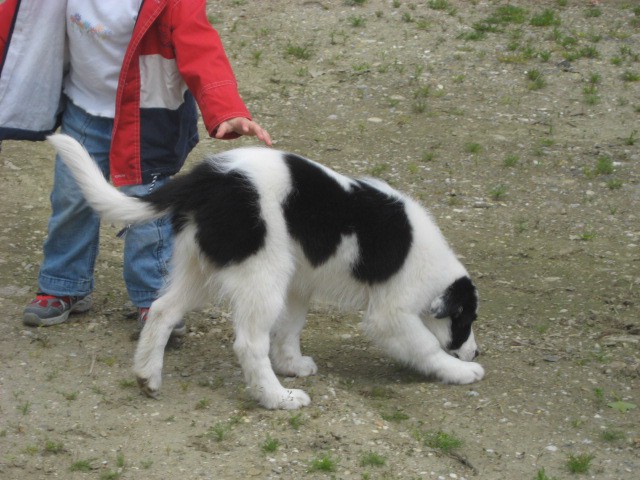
<point>204,65</point>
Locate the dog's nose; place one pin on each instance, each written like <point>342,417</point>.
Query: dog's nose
<point>476,353</point>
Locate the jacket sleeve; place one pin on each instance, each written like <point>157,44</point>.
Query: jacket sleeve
<point>204,66</point>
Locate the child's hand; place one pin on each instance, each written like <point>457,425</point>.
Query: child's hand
<point>243,126</point>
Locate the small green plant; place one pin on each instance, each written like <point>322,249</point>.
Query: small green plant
<point>511,160</point>
<point>629,76</point>
<point>473,148</point>
<point>356,21</point>
<point>438,4</point>
<point>498,192</point>
<point>536,81</point>
<point>25,407</point>
<point>587,235</point>
<point>203,404</point>
<point>120,460</point>
<point>442,441</point>
<point>296,421</point>
<point>379,169</point>
<point>542,475</point>
<point>614,184</point>
<point>127,383</point>
<point>611,435</point>
<point>218,432</point>
<point>579,463</point>
<point>632,138</point>
<point>81,466</point>
<point>372,459</point>
<point>256,55</point>
<point>109,475</point>
<point>146,464</point>
<point>301,52</point>
<point>547,18</point>
<point>53,447</point>
<point>604,166</point>
<point>69,395</point>
<point>395,416</point>
<point>593,12</point>
<point>323,463</point>
<point>270,445</point>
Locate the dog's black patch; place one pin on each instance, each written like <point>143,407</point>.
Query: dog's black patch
<point>460,303</point>
<point>225,207</point>
<point>319,211</point>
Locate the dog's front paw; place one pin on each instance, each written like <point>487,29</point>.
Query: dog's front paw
<point>461,373</point>
<point>148,387</point>
<point>149,383</point>
<point>286,399</point>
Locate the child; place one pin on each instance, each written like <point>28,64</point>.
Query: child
<point>136,70</point>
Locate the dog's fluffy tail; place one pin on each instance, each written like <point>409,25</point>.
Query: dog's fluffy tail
<point>105,199</point>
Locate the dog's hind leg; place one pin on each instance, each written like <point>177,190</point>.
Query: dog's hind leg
<point>404,337</point>
<point>285,353</point>
<point>188,289</point>
<point>257,306</point>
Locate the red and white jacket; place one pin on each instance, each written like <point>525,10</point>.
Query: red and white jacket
<point>174,58</point>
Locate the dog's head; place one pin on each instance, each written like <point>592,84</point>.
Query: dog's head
<point>451,317</point>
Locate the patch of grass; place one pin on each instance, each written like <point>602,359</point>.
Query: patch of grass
<point>69,395</point>
<point>53,447</point>
<point>593,12</point>
<point>587,235</point>
<point>498,192</point>
<point>614,184</point>
<point>579,463</point>
<point>546,18</point>
<point>356,21</point>
<point>323,463</point>
<point>395,416</point>
<point>203,404</point>
<point>372,459</point>
<point>511,160</point>
<point>270,445</point>
<point>127,383</point>
<point>542,475</point>
<point>442,441</point>
<point>611,435</point>
<point>379,169</point>
<point>24,407</point>
<point>629,76</point>
<point>81,466</point>
<point>604,166</point>
<point>218,432</point>
<point>632,138</point>
<point>473,148</point>
<point>300,52</point>
<point>296,421</point>
<point>109,475</point>
<point>536,81</point>
<point>508,14</point>
<point>438,4</point>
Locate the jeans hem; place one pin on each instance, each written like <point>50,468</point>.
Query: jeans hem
<point>62,287</point>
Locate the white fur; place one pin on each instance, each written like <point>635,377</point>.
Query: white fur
<point>271,290</point>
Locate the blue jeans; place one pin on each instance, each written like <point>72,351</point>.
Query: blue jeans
<point>71,247</point>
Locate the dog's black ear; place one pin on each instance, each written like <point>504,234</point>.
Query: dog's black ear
<point>459,297</point>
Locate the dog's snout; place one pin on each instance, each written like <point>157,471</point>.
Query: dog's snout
<point>476,353</point>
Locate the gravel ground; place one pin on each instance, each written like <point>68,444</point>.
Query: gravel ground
<point>516,124</point>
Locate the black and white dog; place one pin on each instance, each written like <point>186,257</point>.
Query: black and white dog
<point>269,231</point>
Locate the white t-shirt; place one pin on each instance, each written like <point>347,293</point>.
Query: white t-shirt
<point>99,32</point>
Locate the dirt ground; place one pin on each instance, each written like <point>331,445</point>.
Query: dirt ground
<point>518,127</point>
